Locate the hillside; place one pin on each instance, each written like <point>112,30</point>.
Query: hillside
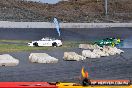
<point>66,11</point>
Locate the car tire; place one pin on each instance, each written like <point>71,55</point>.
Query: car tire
<point>54,44</point>
<point>35,44</point>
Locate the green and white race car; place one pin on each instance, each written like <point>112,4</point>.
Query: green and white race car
<point>108,42</point>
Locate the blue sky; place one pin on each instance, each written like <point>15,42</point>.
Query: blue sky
<point>47,1</point>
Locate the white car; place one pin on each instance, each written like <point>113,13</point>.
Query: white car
<point>46,42</point>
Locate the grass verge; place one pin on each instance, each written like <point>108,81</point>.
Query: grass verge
<point>7,47</point>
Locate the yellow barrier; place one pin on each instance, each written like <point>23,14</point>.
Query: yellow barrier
<point>75,85</point>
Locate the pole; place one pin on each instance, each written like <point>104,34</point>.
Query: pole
<point>106,7</point>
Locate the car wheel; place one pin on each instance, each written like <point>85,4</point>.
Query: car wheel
<point>54,44</point>
<point>35,44</point>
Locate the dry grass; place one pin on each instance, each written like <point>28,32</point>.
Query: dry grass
<point>71,11</point>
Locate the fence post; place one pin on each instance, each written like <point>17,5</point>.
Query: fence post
<point>106,7</point>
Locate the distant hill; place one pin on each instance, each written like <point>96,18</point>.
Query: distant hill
<point>66,11</point>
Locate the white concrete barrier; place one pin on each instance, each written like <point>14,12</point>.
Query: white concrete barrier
<point>42,58</point>
<point>89,46</point>
<point>9,24</point>
<point>94,25</point>
<point>112,50</point>
<point>100,52</point>
<point>8,60</point>
<point>72,56</point>
<point>89,54</point>
<point>97,53</point>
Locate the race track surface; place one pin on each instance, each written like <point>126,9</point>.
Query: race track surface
<point>66,34</point>
<point>112,67</point>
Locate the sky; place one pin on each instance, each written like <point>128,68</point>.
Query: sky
<point>47,1</point>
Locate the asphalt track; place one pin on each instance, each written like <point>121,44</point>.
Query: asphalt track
<point>113,67</point>
<point>66,34</point>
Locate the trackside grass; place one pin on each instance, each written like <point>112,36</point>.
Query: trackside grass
<point>21,45</point>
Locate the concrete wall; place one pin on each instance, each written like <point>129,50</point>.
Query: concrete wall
<point>94,25</point>
<point>7,24</point>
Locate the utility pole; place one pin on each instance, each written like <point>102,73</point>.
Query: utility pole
<point>106,7</point>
